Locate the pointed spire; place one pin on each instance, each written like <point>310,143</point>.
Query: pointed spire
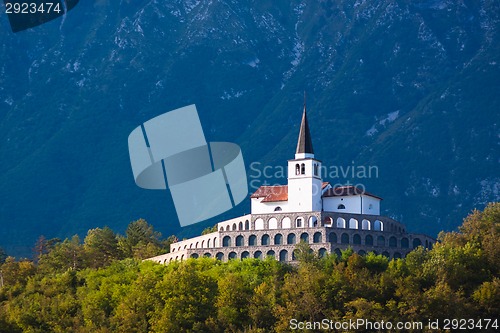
<point>304,144</point>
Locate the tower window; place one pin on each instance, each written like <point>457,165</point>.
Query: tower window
<point>341,206</point>
<point>297,169</point>
<point>315,169</point>
<point>303,169</point>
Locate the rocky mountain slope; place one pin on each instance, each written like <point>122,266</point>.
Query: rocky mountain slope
<point>409,87</point>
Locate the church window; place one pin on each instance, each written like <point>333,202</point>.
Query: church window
<point>239,240</point>
<point>278,239</point>
<point>344,239</point>
<point>283,255</point>
<point>304,237</point>
<point>226,241</point>
<point>265,240</point>
<point>356,239</point>
<point>298,222</point>
<point>303,169</point>
<point>380,241</point>
<point>297,169</point>
<point>315,169</point>
<point>317,237</point>
<point>252,240</point>
<point>341,206</point>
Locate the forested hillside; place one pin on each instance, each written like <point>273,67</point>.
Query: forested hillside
<point>103,286</point>
<point>408,86</point>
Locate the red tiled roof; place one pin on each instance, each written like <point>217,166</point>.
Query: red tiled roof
<point>341,191</point>
<point>272,193</point>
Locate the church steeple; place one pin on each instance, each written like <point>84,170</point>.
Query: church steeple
<point>304,144</point>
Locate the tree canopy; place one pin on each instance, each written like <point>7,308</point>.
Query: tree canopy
<point>101,285</point>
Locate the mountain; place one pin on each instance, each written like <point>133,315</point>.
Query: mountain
<point>408,88</point>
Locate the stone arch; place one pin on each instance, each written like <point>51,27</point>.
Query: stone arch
<point>365,224</point>
<point>264,240</point>
<point>353,223</point>
<point>185,246</point>
<point>328,221</point>
<point>228,228</point>
<point>239,240</point>
<point>240,226</point>
<point>247,225</point>
<point>304,237</point>
<point>299,222</point>
<point>257,255</point>
<point>278,239</point>
<point>234,226</point>
<point>194,255</point>
<point>221,229</point>
<point>232,255</point>
<point>215,242</point>
<point>322,252</point>
<point>344,238</point>
<point>270,253</point>
<point>378,225</point>
<point>278,209</point>
<point>191,245</point>
<point>356,239</point>
<point>369,240</point>
<point>245,254</point>
<point>337,252</point>
<point>273,223</point>
<point>220,256</point>
<point>252,240</point>
<point>294,255</point>
<point>208,243</point>
<point>207,255</point>
<point>197,245</point>
<point>405,243</point>
<point>317,237</point>
<point>286,223</point>
<point>393,242</point>
<point>226,241</point>
<point>291,239</point>
<point>416,242</point>
<point>397,255</point>
<point>380,241</point>
<point>259,224</point>
<point>361,252</point>
<point>386,254</point>
<point>340,223</point>
<point>332,237</point>
<point>203,244</point>
<point>313,221</point>
<point>283,255</point>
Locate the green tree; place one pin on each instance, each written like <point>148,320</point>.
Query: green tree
<point>101,247</point>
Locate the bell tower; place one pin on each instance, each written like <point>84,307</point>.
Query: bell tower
<point>304,174</point>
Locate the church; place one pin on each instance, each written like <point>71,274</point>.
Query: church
<point>307,209</point>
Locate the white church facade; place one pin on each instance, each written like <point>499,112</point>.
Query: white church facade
<point>307,209</point>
